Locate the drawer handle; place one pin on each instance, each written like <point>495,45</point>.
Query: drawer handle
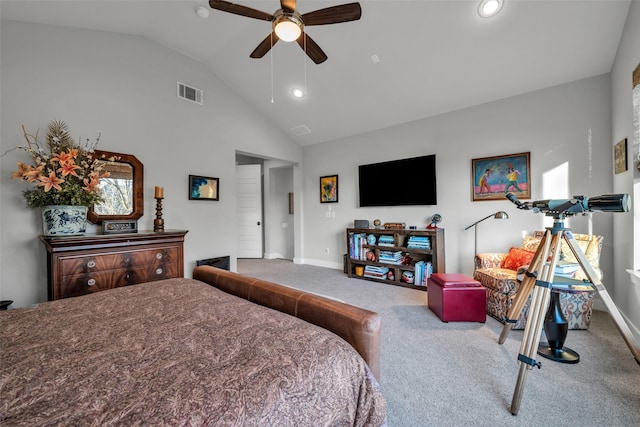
<point>91,282</point>
<point>91,264</point>
<point>159,256</point>
<point>159,271</point>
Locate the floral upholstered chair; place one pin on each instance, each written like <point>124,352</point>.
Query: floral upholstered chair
<point>498,273</point>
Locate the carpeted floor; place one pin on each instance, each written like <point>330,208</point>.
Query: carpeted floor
<point>456,374</point>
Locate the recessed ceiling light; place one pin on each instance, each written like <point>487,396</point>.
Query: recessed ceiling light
<point>298,93</point>
<point>202,12</point>
<point>489,8</point>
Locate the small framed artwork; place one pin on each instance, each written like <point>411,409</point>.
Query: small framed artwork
<point>620,156</point>
<point>493,177</point>
<point>203,188</point>
<point>290,203</point>
<point>329,189</point>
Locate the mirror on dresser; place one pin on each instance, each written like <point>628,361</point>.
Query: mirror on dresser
<point>122,190</point>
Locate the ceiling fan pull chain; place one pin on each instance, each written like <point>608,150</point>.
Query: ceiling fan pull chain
<point>271,57</point>
<point>305,65</point>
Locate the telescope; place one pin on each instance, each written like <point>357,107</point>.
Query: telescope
<point>577,204</point>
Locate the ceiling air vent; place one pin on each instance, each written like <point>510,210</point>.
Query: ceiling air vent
<point>190,93</point>
<point>300,130</point>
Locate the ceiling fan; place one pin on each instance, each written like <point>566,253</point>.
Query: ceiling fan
<point>288,25</point>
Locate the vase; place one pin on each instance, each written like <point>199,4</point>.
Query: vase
<point>64,220</point>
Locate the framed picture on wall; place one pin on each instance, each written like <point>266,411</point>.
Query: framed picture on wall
<point>620,156</point>
<point>203,188</point>
<point>329,189</point>
<point>493,177</point>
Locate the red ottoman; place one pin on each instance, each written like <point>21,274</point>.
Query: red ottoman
<point>457,298</point>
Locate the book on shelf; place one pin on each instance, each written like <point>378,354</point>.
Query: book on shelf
<point>422,271</point>
<point>419,242</point>
<point>563,267</point>
<point>391,257</point>
<point>357,250</point>
<point>375,272</point>
<point>385,240</point>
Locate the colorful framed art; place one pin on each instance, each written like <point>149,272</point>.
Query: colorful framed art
<point>329,189</point>
<point>203,188</point>
<point>493,177</point>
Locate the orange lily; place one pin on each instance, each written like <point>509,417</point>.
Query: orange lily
<point>68,167</point>
<point>21,172</point>
<point>51,181</point>
<point>61,157</point>
<point>33,174</point>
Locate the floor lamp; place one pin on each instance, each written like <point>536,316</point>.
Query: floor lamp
<point>497,215</point>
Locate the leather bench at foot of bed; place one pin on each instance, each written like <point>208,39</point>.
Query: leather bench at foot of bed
<point>358,326</point>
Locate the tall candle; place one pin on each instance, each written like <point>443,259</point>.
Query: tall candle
<point>159,193</point>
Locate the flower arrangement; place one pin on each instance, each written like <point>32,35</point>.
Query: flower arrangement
<point>64,172</point>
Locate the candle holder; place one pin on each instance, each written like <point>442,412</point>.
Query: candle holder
<point>158,223</point>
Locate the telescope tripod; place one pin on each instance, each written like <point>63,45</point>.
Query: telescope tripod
<point>539,279</point>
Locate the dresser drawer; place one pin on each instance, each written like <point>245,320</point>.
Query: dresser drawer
<point>83,284</point>
<point>125,260</point>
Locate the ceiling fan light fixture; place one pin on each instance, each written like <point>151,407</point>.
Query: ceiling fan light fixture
<point>489,8</point>
<point>287,27</point>
<point>202,12</point>
<point>297,93</point>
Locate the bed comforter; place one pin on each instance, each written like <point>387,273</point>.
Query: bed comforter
<point>178,352</point>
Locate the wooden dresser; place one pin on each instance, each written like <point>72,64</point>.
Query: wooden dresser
<point>80,265</point>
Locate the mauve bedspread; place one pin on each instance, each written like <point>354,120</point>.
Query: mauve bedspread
<point>177,352</point>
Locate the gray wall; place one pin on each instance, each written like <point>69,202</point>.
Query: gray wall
<point>626,227</point>
<point>564,124</point>
<point>124,86</point>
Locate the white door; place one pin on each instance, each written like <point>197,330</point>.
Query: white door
<point>249,196</point>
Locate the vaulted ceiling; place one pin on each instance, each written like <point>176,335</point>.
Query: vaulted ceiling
<point>431,57</point>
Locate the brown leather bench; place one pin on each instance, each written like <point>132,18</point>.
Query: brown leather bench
<point>358,326</point>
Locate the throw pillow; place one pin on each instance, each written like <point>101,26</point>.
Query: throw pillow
<point>516,258</point>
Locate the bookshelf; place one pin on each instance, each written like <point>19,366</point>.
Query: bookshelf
<point>395,256</point>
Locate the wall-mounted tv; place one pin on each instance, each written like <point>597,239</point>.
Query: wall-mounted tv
<point>402,182</point>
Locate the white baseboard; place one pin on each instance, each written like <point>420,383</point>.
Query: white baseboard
<point>275,255</point>
<point>319,263</point>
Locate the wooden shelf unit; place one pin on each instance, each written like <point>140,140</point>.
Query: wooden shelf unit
<point>400,240</point>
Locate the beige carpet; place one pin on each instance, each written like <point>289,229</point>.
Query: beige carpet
<point>456,374</point>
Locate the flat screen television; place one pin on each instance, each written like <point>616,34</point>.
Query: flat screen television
<point>404,182</point>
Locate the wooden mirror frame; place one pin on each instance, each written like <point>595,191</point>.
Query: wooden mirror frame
<point>138,189</point>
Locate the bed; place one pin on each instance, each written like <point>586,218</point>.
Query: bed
<point>191,352</point>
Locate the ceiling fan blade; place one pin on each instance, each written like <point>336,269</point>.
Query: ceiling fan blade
<point>312,49</point>
<point>333,15</point>
<point>288,5</point>
<point>238,9</point>
<point>265,45</point>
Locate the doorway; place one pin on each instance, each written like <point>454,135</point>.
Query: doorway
<point>249,210</point>
<point>264,190</point>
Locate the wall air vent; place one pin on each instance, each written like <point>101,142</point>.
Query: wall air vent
<point>190,93</point>
<point>300,130</point>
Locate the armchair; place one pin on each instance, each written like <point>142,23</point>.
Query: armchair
<point>499,272</point>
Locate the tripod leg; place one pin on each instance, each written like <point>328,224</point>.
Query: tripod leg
<point>517,393</point>
<point>533,329</point>
<point>526,287</point>
<point>621,325</point>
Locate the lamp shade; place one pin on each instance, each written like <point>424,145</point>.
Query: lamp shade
<point>501,215</point>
